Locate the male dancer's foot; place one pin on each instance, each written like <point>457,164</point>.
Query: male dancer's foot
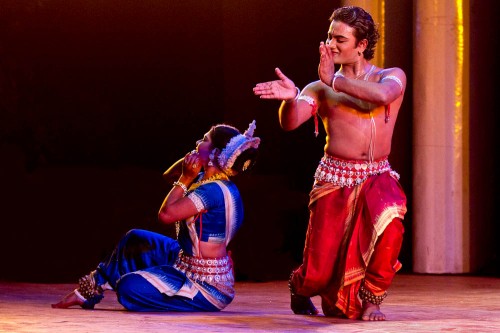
<point>302,305</point>
<point>70,299</point>
<point>371,312</point>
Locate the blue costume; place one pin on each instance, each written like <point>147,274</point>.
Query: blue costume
<point>152,272</point>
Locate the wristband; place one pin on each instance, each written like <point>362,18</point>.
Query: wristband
<point>333,83</point>
<point>181,185</point>
<point>295,98</point>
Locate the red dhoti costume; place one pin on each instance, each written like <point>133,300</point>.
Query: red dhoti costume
<point>354,235</point>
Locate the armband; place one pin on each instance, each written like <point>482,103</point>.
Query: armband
<point>395,79</point>
<point>314,111</point>
<point>308,99</point>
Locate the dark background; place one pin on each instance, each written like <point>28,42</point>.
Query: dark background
<point>98,98</point>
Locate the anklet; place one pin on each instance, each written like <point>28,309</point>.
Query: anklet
<point>368,296</point>
<point>88,291</point>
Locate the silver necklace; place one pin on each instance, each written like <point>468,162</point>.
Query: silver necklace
<point>367,74</point>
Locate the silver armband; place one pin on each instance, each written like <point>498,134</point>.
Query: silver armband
<point>395,79</point>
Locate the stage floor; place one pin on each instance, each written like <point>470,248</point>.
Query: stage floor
<point>416,303</point>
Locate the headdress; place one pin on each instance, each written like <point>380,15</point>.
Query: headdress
<point>238,144</point>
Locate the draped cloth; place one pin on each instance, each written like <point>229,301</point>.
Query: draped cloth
<point>346,227</point>
<point>148,270</point>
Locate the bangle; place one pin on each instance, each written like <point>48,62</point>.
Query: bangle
<point>295,98</point>
<point>333,83</point>
<point>181,185</point>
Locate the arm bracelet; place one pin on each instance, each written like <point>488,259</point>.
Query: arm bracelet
<point>333,83</point>
<point>395,79</point>
<point>295,98</point>
<point>181,185</point>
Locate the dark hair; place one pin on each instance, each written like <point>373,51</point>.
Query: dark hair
<point>362,22</point>
<point>221,135</point>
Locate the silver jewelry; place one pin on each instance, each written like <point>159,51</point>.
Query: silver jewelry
<point>308,99</point>
<point>211,158</point>
<point>369,73</point>
<point>235,147</point>
<point>395,79</point>
<point>314,111</point>
<point>333,82</point>
<point>295,98</point>
<point>181,185</point>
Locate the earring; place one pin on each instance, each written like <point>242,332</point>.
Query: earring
<point>359,53</point>
<point>211,158</point>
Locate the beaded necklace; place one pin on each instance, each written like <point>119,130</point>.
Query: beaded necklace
<point>217,176</point>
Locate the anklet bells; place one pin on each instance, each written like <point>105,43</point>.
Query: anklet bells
<point>368,296</point>
<point>89,292</point>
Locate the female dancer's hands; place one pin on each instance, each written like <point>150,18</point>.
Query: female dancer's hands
<point>191,166</point>
<point>283,89</point>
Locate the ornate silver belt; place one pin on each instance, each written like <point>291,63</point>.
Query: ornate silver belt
<point>348,172</point>
<point>205,269</point>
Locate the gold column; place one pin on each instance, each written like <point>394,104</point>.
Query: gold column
<point>440,134</point>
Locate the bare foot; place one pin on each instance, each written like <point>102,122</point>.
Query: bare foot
<point>70,299</point>
<point>302,305</point>
<point>371,312</point>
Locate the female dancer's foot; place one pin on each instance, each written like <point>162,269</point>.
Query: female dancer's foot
<point>69,300</point>
<point>302,305</point>
<point>371,312</point>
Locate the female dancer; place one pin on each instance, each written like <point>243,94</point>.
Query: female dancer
<point>152,272</point>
